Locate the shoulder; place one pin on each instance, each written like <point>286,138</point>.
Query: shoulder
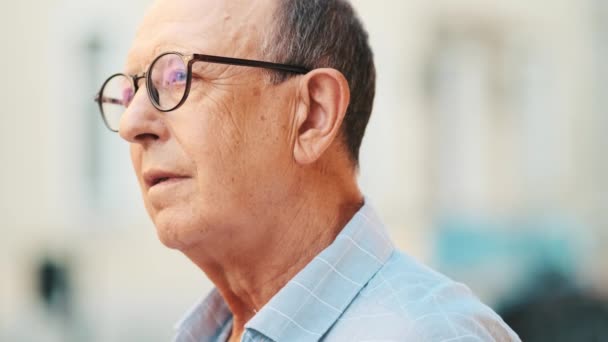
<point>406,300</point>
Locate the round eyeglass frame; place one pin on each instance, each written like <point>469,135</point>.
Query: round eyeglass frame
<point>189,60</point>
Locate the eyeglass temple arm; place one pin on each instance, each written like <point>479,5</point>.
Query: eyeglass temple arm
<point>251,63</point>
<point>106,99</point>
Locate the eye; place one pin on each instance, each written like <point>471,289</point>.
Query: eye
<point>176,77</point>
<point>127,96</point>
<point>181,76</point>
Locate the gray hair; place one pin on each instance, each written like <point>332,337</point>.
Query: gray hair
<point>328,34</point>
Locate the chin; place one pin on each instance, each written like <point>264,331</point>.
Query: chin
<point>176,232</point>
<point>184,225</point>
<point>169,238</point>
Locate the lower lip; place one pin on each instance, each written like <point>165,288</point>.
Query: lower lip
<point>168,183</point>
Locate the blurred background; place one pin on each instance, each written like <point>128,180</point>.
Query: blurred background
<point>483,156</point>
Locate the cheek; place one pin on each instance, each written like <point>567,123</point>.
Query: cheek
<point>211,140</point>
<point>271,132</point>
<point>239,143</point>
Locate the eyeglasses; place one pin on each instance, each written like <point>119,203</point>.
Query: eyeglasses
<point>168,81</point>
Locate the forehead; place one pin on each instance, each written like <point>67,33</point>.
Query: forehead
<point>233,28</point>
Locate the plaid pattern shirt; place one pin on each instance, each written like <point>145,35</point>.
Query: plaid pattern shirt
<point>360,288</point>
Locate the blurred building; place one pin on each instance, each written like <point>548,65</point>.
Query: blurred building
<point>484,155</point>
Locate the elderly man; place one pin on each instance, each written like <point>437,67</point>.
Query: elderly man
<point>244,120</point>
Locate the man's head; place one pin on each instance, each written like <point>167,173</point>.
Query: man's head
<point>247,139</point>
<point>328,34</point>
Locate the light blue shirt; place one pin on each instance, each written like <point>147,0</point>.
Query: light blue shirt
<point>360,288</point>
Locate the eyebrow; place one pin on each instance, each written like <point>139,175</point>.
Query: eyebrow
<point>142,61</point>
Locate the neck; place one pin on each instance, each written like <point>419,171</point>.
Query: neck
<point>282,240</point>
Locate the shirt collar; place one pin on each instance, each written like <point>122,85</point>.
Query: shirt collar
<point>315,298</point>
<point>207,321</point>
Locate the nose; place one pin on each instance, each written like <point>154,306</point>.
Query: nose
<point>141,122</point>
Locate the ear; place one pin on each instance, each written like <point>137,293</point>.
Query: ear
<point>324,99</point>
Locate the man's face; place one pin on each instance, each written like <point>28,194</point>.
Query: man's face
<point>209,166</point>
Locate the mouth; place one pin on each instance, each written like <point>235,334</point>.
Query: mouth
<point>159,180</point>
<point>155,178</point>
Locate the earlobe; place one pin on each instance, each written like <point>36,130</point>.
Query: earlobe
<point>325,96</point>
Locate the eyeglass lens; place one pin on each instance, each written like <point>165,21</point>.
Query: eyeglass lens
<point>166,81</point>
<point>115,97</point>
